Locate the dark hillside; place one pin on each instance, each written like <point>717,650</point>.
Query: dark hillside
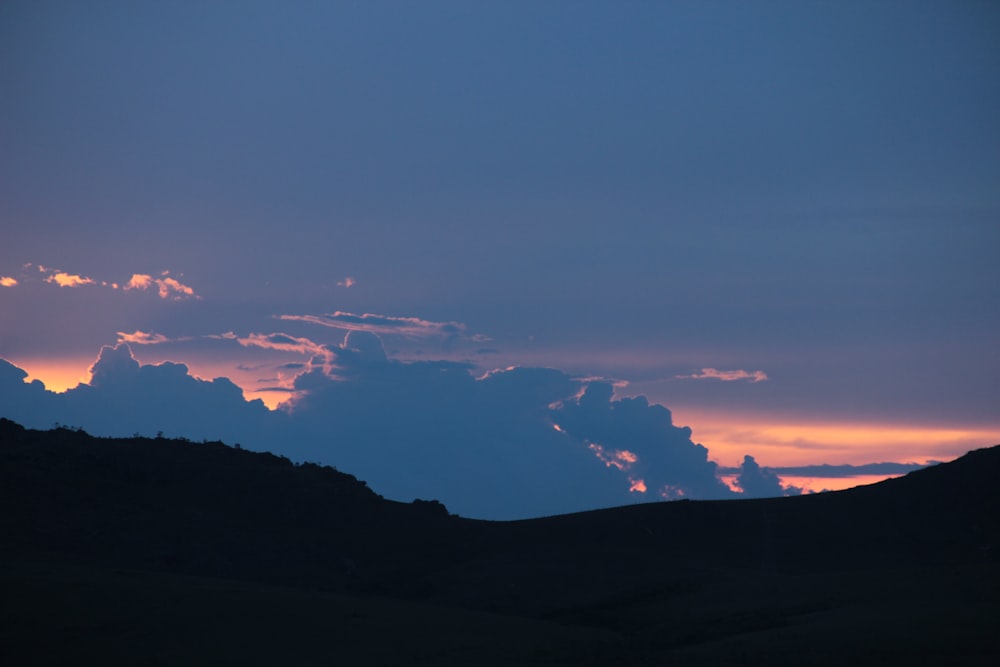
<point>201,508</point>
<point>906,570</point>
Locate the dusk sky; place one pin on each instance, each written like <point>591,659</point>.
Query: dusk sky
<point>779,220</point>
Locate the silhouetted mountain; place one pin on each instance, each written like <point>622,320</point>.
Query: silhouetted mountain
<point>906,568</point>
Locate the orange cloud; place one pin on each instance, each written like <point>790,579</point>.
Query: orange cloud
<point>64,279</point>
<point>726,376</point>
<point>166,286</point>
<point>347,282</point>
<point>139,281</point>
<point>614,458</point>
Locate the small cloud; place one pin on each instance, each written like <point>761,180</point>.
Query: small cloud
<point>726,376</point>
<point>142,338</point>
<point>167,287</point>
<point>758,482</point>
<point>382,324</point>
<point>140,281</point>
<point>347,282</point>
<point>64,279</point>
<point>282,342</point>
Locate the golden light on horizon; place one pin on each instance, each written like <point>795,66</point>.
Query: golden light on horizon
<point>57,375</point>
<point>781,441</point>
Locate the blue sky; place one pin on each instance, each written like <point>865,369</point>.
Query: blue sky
<point>756,214</point>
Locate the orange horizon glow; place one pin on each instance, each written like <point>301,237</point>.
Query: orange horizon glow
<point>57,375</point>
<point>818,484</point>
<point>780,440</point>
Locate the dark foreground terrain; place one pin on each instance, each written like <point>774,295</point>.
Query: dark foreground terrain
<point>165,552</point>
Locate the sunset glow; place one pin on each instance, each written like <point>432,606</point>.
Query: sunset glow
<point>785,443</point>
<point>57,375</point>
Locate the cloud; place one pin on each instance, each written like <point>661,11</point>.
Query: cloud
<point>124,397</point>
<point>757,482</point>
<point>282,342</point>
<point>143,338</point>
<point>382,324</point>
<point>726,376</point>
<point>166,287</point>
<point>64,279</point>
<point>347,282</point>
<point>511,443</point>
<point>828,471</point>
<point>640,439</point>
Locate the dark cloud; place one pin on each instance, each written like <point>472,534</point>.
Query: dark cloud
<point>644,442</point>
<point>124,397</point>
<point>28,403</point>
<point>511,443</point>
<point>757,482</point>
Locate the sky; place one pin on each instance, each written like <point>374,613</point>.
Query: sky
<point>773,224</point>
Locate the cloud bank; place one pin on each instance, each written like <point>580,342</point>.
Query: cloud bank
<point>511,443</point>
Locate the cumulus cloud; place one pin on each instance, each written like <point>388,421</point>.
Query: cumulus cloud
<point>347,282</point>
<point>510,443</point>
<point>7,281</point>
<point>726,376</point>
<point>486,446</point>
<point>644,443</point>
<point>382,324</point>
<point>26,402</point>
<point>124,397</point>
